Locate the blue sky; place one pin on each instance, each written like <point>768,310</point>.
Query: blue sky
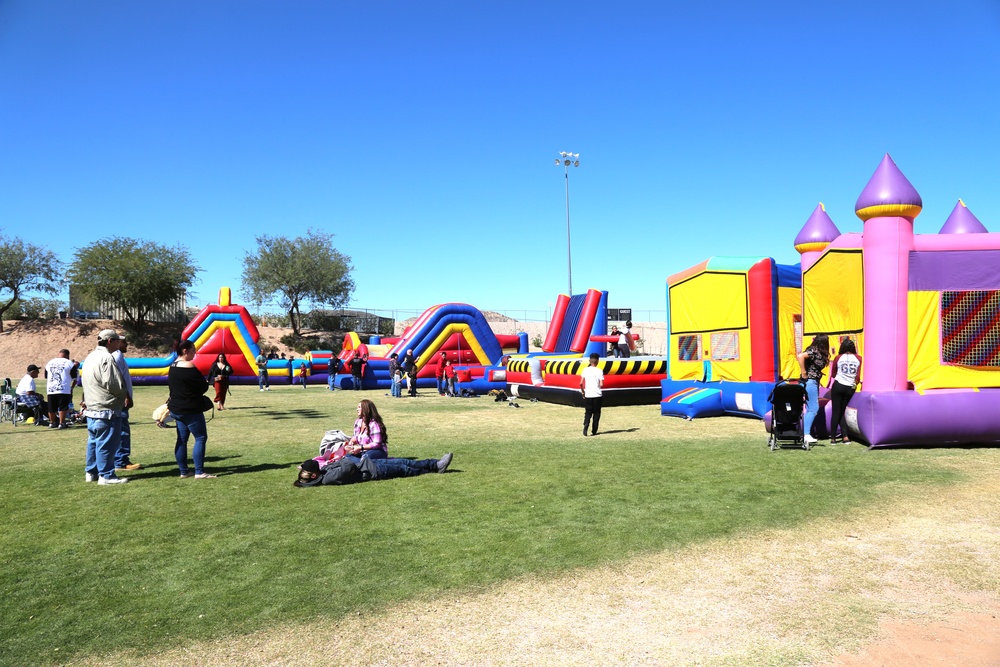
<point>423,135</point>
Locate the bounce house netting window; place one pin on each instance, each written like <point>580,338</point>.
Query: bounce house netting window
<point>689,348</point>
<point>970,328</point>
<point>725,346</point>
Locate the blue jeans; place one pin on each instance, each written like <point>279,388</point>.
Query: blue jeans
<point>373,454</point>
<point>103,436</point>
<point>442,387</point>
<point>389,468</point>
<point>125,445</point>
<point>188,425</point>
<point>812,405</point>
<point>262,379</point>
<point>397,389</point>
<point>330,377</point>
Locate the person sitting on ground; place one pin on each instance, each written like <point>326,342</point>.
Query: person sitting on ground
<point>29,401</point>
<point>370,439</point>
<point>346,471</point>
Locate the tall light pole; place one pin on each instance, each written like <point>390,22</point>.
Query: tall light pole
<point>567,159</point>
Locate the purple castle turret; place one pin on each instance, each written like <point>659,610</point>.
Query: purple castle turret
<point>961,221</point>
<point>888,194</point>
<point>815,236</point>
<point>888,205</point>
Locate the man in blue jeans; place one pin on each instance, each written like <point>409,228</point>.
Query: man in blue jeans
<point>346,471</point>
<point>105,393</point>
<point>123,459</point>
<point>262,380</point>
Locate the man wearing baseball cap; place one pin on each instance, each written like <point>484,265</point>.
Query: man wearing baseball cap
<point>105,393</point>
<point>28,398</point>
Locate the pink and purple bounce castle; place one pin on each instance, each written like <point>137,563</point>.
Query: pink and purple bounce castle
<point>923,309</point>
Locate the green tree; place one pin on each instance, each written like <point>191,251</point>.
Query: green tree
<point>296,271</point>
<point>137,277</point>
<point>25,268</point>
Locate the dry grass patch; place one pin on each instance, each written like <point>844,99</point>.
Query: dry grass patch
<point>784,597</point>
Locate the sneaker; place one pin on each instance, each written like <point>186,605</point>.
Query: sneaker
<point>268,389</point>
<point>444,462</point>
<point>129,466</point>
<point>53,425</point>
<point>89,477</point>
<point>809,440</point>
<point>63,426</point>
<point>204,475</point>
<point>262,390</point>
<point>103,481</point>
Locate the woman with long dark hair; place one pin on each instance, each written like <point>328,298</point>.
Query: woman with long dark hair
<point>812,362</point>
<point>220,372</point>
<point>370,439</point>
<point>187,389</point>
<point>845,373</point>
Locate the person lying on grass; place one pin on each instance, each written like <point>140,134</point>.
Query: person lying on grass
<point>346,471</point>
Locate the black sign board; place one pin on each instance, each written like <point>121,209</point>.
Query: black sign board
<point>619,314</point>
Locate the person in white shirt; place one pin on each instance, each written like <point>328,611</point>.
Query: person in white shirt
<point>592,388</point>
<point>624,341</point>
<point>28,399</point>
<point>59,373</point>
<point>845,373</point>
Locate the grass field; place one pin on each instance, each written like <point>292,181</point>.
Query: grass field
<point>163,562</point>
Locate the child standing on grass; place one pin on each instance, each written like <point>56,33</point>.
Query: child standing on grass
<point>397,383</point>
<point>449,378</point>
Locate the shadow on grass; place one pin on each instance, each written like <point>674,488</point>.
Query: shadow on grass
<point>300,413</point>
<point>620,430</point>
<point>169,468</point>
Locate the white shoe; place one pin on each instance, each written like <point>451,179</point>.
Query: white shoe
<point>89,477</point>
<point>103,481</point>
<point>262,390</point>
<point>809,440</point>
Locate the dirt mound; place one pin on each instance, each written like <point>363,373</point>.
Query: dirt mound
<point>24,342</point>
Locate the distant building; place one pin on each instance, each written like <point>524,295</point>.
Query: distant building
<point>81,308</point>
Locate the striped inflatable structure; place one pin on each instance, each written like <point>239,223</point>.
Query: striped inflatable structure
<point>634,381</point>
<point>458,330</point>
<point>222,328</point>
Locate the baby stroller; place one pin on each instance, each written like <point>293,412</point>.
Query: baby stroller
<point>787,400</point>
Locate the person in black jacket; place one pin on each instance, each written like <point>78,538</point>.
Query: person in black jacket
<point>346,471</point>
<point>186,404</point>
<point>357,370</point>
